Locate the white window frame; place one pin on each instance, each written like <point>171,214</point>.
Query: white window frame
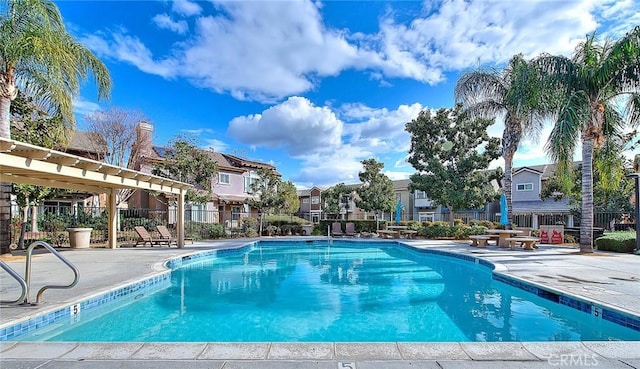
<point>248,180</point>
<point>315,200</point>
<point>426,216</point>
<point>523,187</point>
<point>305,200</point>
<point>222,175</point>
<point>420,195</point>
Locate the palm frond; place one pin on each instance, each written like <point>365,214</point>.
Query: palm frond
<point>567,130</point>
<point>49,63</point>
<point>632,110</point>
<point>479,86</point>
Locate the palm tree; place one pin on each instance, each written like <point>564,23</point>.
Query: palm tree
<point>40,58</point>
<point>511,93</point>
<point>592,84</point>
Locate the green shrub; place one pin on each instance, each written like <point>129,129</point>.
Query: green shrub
<point>487,224</point>
<point>213,230</point>
<point>250,232</point>
<point>413,225</point>
<point>617,241</point>
<point>569,238</point>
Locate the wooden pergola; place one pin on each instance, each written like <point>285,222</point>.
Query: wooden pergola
<point>29,164</point>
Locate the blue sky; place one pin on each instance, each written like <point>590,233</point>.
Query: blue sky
<point>316,87</point>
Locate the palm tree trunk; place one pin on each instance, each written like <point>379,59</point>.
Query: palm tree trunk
<point>5,122</point>
<point>5,188</point>
<point>508,177</point>
<point>586,219</point>
<point>5,217</point>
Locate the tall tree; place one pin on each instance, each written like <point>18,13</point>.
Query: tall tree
<point>376,192</point>
<point>291,202</point>
<point>592,84</point>
<point>332,198</point>
<point>612,191</point>
<point>38,56</point>
<point>185,162</point>
<point>114,137</point>
<point>266,188</point>
<point>513,93</point>
<point>451,154</point>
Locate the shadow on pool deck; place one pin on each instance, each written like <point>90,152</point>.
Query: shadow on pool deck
<point>613,280</point>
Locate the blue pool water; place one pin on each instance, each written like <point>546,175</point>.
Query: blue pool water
<point>346,291</point>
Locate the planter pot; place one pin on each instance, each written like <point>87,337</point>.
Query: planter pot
<point>307,229</point>
<point>79,237</point>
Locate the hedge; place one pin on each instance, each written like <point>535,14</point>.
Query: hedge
<point>617,241</point>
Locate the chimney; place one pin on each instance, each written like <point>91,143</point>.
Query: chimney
<point>144,142</point>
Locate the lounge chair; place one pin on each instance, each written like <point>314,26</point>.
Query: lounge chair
<point>165,234</point>
<point>350,229</point>
<point>144,237</point>
<point>336,229</point>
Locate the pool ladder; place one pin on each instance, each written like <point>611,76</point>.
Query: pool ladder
<point>25,283</point>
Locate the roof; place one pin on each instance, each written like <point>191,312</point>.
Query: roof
<point>225,161</point>
<point>547,170</point>
<point>84,141</point>
<point>548,206</point>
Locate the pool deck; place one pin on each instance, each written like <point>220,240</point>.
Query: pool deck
<point>608,279</point>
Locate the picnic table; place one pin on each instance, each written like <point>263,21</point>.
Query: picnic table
<point>528,243</point>
<point>396,232</point>
<point>503,234</point>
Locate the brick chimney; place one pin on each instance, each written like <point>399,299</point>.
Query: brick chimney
<point>144,142</point>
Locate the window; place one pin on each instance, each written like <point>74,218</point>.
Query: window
<point>315,200</point>
<point>398,197</point>
<point>223,178</point>
<point>524,187</point>
<point>305,200</point>
<point>426,217</point>
<point>248,181</point>
<point>420,195</point>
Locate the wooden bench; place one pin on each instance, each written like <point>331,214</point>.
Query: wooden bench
<point>383,233</point>
<point>528,243</point>
<point>479,240</point>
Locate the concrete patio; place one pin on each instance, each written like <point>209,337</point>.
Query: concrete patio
<point>606,278</point>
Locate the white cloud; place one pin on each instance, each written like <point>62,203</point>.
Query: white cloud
<point>329,150</point>
<point>216,145</point>
<point>296,125</point>
<point>186,8</point>
<point>164,21</point>
<point>83,107</point>
<point>265,50</point>
<point>380,128</point>
<point>123,47</point>
<point>330,168</point>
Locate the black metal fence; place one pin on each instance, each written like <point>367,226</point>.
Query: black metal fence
<point>211,224</point>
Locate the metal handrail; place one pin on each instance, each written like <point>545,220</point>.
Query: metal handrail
<point>20,280</point>
<point>27,272</point>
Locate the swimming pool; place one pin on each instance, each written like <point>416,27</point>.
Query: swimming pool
<point>344,291</point>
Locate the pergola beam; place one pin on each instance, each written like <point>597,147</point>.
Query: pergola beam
<point>29,164</point>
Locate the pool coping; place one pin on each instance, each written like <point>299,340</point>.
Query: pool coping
<point>19,350</point>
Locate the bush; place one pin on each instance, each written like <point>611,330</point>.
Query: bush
<point>487,224</point>
<point>569,238</point>
<point>213,230</point>
<point>617,241</point>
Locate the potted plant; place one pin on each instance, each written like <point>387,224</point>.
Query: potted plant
<point>80,233</point>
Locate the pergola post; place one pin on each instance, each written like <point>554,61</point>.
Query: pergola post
<point>113,218</point>
<point>180,219</point>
